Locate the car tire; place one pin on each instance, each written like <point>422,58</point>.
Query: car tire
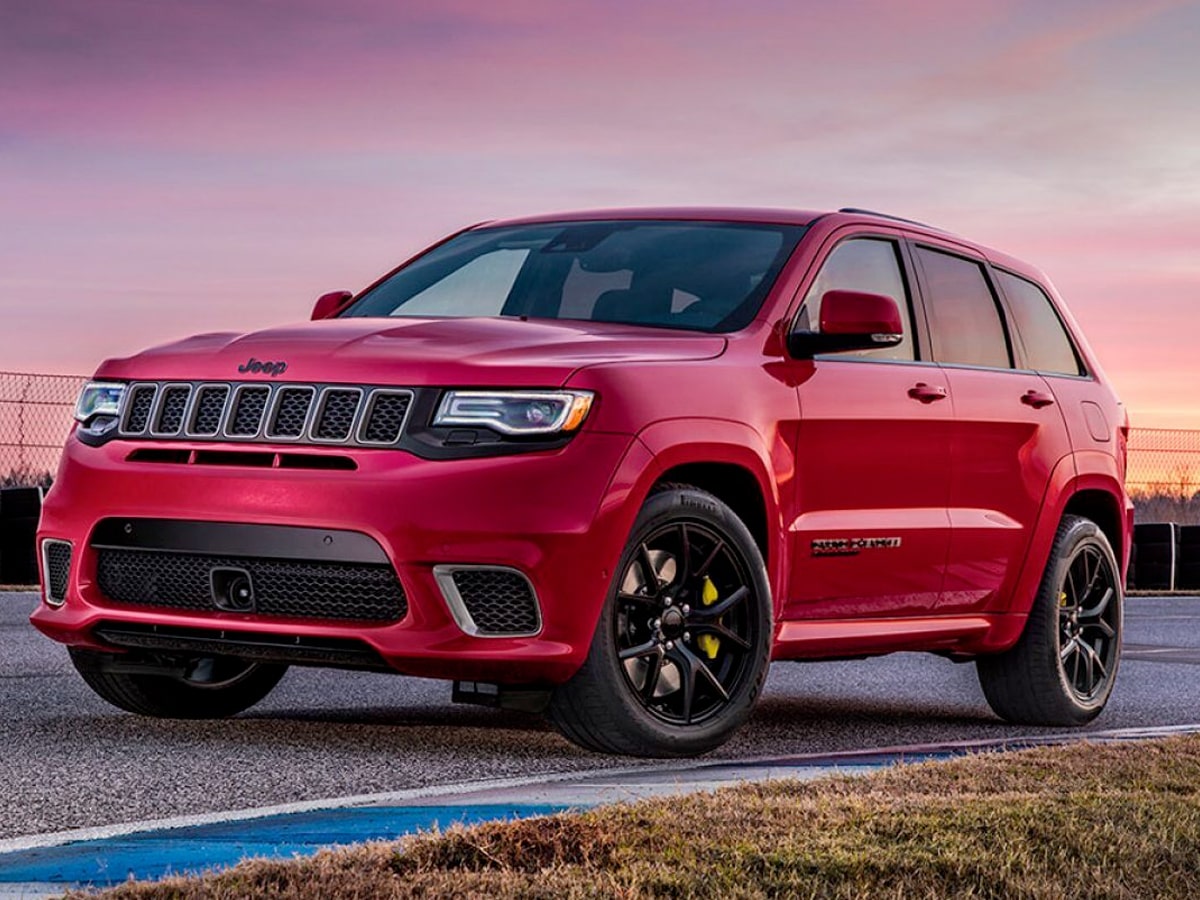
<point>213,688</point>
<point>678,659</point>
<point>1062,669</point>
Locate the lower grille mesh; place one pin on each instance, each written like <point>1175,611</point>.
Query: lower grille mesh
<point>282,587</point>
<point>499,601</point>
<point>57,560</point>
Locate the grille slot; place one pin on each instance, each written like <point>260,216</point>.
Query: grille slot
<point>490,601</point>
<point>56,563</point>
<point>209,409</point>
<point>367,592</point>
<point>171,409</point>
<point>249,404</point>
<point>335,418</point>
<point>290,412</point>
<point>385,417</point>
<point>138,407</point>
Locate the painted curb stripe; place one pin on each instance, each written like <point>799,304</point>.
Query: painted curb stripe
<point>157,854</point>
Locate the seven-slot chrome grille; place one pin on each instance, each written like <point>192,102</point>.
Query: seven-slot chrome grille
<point>265,413</point>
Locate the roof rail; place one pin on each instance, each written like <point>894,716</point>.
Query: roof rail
<point>871,212</point>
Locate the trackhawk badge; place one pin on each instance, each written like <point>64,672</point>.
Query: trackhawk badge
<point>852,546</point>
<point>274,369</point>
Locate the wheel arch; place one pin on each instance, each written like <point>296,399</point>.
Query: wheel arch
<point>731,462</point>
<point>1103,508</point>
<point>1077,487</point>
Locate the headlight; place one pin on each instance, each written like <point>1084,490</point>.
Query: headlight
<point>99,398</point>
<point>98,407</point>
<point>516,412</point>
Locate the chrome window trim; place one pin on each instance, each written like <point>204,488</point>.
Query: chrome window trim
<point>444,576</point>
<point>359,434</point>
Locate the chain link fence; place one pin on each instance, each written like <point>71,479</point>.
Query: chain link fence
<point>35,415</point>
<point>1163,477</point>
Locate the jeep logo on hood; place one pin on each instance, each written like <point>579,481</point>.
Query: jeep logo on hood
<point>274,369</point>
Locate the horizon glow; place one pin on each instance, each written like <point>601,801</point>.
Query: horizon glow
<point>174,168</point>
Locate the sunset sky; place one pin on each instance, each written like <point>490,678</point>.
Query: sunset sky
<point>168,167</point>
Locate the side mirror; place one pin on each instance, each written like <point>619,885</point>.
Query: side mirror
<point>850,320</point>
<point>329,305</point>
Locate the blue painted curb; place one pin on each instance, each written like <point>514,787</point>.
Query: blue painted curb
<point>197,848</point>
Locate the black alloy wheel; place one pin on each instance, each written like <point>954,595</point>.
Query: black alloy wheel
<point>1088,623</point>
<point>1063,668</point>
<point>681,650</point>
<point>684,629</point>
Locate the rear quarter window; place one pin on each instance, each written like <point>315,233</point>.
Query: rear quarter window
<point>1048,347</point>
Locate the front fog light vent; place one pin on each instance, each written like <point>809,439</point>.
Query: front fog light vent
<point>56,563</point>
<point>490,601</point>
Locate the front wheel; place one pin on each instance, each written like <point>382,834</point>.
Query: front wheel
<point>1062,670</point>
<point>200,688</point>
<point>682,647</point>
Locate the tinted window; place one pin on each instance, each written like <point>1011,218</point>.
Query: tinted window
<point>707,276</point>
<point>1047,347</point>
<point>964,321</point>
<point>868,265</point>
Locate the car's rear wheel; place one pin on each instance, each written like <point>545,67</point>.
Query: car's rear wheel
<point>209,687</point>
<point>1062,670</point>
<point>682,646</point>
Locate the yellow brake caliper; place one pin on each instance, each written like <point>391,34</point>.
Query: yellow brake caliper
<point>709,644</point>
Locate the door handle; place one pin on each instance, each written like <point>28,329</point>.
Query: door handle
<point>927,393</point>
<point>1037,399</point>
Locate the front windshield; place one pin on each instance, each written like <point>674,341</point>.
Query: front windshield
<point>704,276</point>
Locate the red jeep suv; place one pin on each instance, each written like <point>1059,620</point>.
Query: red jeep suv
<point>608,465</point>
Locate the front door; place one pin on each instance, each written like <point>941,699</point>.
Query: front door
<point>871,532</point>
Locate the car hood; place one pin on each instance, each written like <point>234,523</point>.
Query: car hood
<point>414,352</point>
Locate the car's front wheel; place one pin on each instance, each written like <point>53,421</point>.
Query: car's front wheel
<point>682,646</point>
<point>1062,670</point>
<point>200,688</point>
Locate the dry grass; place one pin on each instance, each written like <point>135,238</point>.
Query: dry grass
<point>1077,821</point>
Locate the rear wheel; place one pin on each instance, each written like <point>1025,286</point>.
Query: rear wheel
<point>209,687</point>
<point>682,646</point>
<point>1062,670</point>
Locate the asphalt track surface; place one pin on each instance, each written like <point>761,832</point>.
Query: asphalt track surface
<point>69,760</point>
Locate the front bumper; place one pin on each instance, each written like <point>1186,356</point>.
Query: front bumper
<point>542,514</point>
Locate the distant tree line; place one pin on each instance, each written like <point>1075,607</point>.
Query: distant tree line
<point>27,478</point>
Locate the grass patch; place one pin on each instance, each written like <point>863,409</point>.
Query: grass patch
<point>1118,820</point>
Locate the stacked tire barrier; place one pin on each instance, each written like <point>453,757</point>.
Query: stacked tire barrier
<point>1187,571</point>
<point>1166,557</point>
<point>19,511</point>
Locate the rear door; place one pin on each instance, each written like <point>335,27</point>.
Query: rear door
<point>873,454</point>
<point>1008,433</point>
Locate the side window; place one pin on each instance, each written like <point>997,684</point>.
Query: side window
<point>1047,346</point>
<point>870,265</point>
<point>964,321</point>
